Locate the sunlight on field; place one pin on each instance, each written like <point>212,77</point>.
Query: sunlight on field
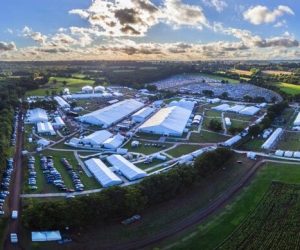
<point>289,88</point>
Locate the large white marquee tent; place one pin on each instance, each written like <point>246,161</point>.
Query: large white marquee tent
<point>167,121</point>
<point>112,114</point>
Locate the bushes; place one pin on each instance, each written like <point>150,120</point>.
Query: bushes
<point>116,203</point>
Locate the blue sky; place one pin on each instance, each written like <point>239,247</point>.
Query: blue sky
<point>144,29</point>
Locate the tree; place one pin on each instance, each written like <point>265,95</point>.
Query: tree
<point>207,92</point>
<point>254,130</point>
<point>215,125</point>
<point>224,95</point>
<point>64,83</point>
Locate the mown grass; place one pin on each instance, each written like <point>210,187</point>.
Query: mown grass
<point>182,149</point>
<point>289,88</point>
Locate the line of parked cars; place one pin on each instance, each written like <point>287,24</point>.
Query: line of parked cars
<point>74,175</point>
<point>4,188</point>
<point>14,133</point>
<point>51,173</point>
<point>32,183</point>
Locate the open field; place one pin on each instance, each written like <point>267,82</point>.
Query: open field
<point>160,217</point>
<point>254,144</point>
<point>289,88</point>
<point>241,72</point>
<point>216,229</point>
<point>182,149</point>
<point>73,84</point>
<point>289,141</point>
<point>273,224</point>
<point>207,137</point>
<point>220,78</point>
<point>276,72</point>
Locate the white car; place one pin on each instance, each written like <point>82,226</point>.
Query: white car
<point>13,238</point>
<point>14,214</point>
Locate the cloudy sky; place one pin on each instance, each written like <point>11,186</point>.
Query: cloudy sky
<point>149,29</point>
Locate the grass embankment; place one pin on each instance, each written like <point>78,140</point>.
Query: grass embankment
<point>216,229</point>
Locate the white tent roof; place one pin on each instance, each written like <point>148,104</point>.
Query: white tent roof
<point>59,121</point>
<point>236,108</point>
<point>46,236</point>
<point>143,113</point>
<point>113,113</point>
<point>97,138</point>
<point>114,142</point>
<point>102,173</point>
<point>271,140</point>
<point>130,171</point>
<point>37,115</point>
<point>43,142</point>
<point>61,102</point>
<point>222,107</point>
<point>232,141</point>
<point>297,120</point>
<point>45,127</point>
<point>184,104</point>
<point>88,95</point>
<point>169,121</point>
<point>252,110</point>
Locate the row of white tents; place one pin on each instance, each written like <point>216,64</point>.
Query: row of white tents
<point>106,176</point>
<point>240,109</point>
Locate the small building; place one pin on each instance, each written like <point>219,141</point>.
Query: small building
<point>272,139</point>
<point>58,122</point>
<point>251,110</point>
<point>99,89</point>
<point>34,116</point>
<point>45,128</point>
<point>87,89</point>
<point>62,103</point>
<point>279,153</point>
<point>143,114</point>
<point>45,236</point>
<point>227,121</point>
<point>97,138</point>
<point>230,142</point>
<point>129,170</point>
<point>297,120</point>
<point>114,142</point>
<point>223,107</point>
<point>102,173</point>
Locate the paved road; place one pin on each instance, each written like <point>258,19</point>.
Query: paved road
<point>15,189</point>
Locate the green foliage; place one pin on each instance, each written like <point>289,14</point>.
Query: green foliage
<point>116,203</point>
<point>215,125</point>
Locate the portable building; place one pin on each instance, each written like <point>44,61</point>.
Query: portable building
<point>129,170</point>
<point>141,115</point>
<point>102,173</point>
<point>272,139</point>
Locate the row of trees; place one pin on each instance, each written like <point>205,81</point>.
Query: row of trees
<point>119,202</point>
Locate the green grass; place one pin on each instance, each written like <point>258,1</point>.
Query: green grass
<point>215,230</point>
<point>213,113</point>
<point>207,137</point>
<point>289,88</point>
<point>182,149</point>
<point>290,141</point>
<point>147,150</point>
<point>73,84</point>
<point>217,77</point>
<point>254,144</point>
<point>147,136</point>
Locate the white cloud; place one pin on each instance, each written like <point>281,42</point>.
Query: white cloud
<point>219,5</point>
<point>7,46</point>
<point>179,14</point>
<point>36,36</point>
<point>261,14</point>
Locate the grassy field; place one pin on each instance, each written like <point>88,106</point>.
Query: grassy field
<point>241,72</point>
<point>254,144</point>
<point>290,141</point>
<point>217,77</point>
<point>215,230</point>
<point>289,88</point>
<point>73,84</point>
<point>147,150</point>
<point>207,137</point>
<point>182,149</point>
<point>276,72</point>
<point>273,225</point>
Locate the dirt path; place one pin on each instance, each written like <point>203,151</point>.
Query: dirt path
<point>14,201</point>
